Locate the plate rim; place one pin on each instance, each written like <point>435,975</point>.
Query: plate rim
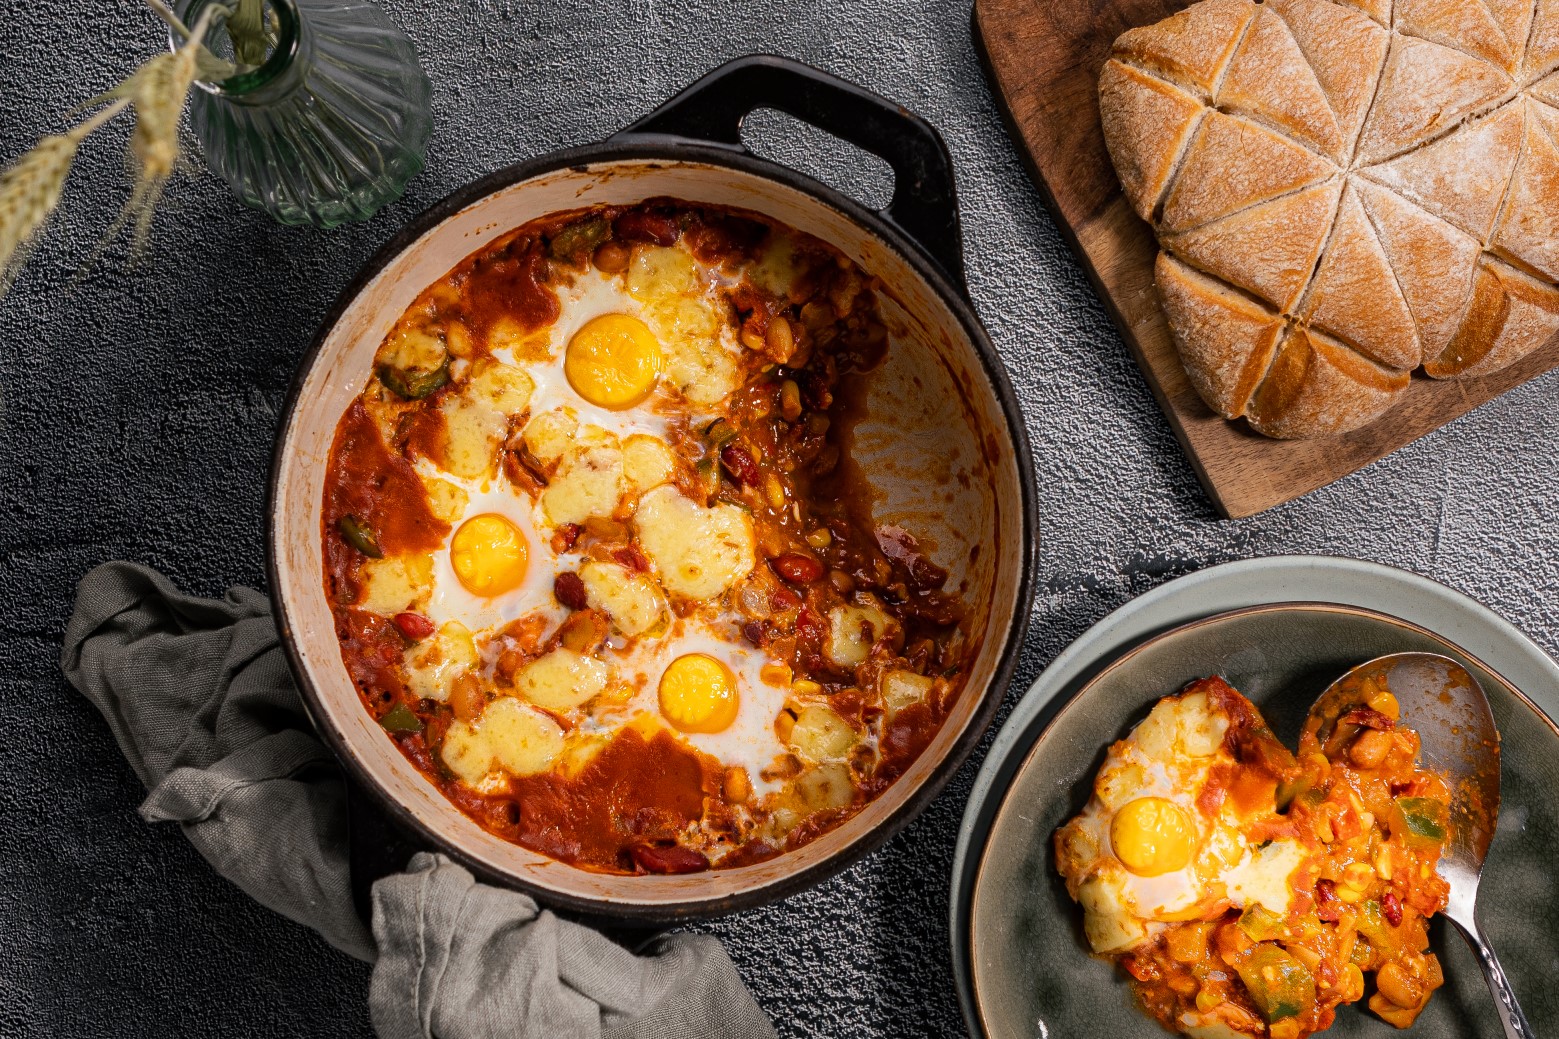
<point>1395,592</point>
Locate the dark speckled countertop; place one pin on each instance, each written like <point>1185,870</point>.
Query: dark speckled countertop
<point>136,418</point>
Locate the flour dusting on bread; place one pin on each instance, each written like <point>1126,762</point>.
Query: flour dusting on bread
<point>1344,192</point>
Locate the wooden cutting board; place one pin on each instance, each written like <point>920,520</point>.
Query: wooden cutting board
<point>1043,57</point>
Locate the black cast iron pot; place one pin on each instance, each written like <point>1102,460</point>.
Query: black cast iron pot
<point>942,442</point>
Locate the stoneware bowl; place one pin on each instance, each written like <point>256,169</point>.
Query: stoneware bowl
<point>1032,972</point>
<point>942,442</point>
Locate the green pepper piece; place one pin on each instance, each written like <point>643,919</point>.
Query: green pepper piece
<point>708,476</point>
<point>360,536</point>
<point>1261,924</point>
<point>1373,925</point>
<point>414,383</point>
<point>1290,789</point>
<point>720,432</point>
<point>578,240</point>
<point>1278,984</point>
<point>401,719</point>
<point>1423,820</point>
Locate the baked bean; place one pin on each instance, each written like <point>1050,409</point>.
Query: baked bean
<point>1397,985</point>
<point>1369,748</point>
<point>611,257</point>
<point>466,698</point>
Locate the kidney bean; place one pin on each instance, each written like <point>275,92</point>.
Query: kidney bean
<point>570,590</point>
<point>1327,905</point>
<point>797,568</point>
<point>673,859</point>
<point>753,632</point>
<point>740,465</point>
<point>784,599</point>
<point>1391,909</point>
<point>808,626</point>
<point>413,625</point>
<point>640,225</point>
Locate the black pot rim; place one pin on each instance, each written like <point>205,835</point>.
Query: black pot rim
<point>653,149</point>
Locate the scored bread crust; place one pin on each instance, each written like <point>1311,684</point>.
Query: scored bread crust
<point>1343,191</point>
<point>1318,387</point>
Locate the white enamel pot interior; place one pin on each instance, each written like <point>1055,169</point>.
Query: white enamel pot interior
<point>942,445</point>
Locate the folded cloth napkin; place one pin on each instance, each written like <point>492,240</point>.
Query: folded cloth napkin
<point>199,696</point>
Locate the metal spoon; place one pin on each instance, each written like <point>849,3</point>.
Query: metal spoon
<point>1448,709</point>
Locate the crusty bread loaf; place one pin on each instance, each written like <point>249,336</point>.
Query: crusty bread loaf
<point>1344,191</point>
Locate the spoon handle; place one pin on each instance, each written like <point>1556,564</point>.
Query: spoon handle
<point>1510,1014</point>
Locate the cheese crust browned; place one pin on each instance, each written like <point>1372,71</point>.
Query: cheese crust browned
<point>1344,192</point>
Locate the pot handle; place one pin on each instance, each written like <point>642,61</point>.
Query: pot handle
<point>925,201</point>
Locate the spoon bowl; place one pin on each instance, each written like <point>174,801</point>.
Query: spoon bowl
<point>1447,707</point>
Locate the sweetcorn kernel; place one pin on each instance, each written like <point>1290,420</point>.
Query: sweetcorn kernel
<point>1386,704</point>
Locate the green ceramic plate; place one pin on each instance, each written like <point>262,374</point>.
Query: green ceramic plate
<point>1030,972</point>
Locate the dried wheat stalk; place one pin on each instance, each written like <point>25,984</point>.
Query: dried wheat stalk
<point>30,188</point>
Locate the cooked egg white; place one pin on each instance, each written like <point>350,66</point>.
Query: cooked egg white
<point>1145,852</point>
<point>621,341</point>
<point>747,738</point>
<point>524,586</point>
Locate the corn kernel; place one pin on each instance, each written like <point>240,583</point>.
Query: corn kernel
<point>1383,863</point>
<point>1358,874</point>
<point>1207,999</point>
<point>820,538</point>
<point>1349,894</point>
<point>774,491</point>
<point>806,687</point>
<point>1386,704</point>
<point>1288,1028</point>
<point>1352,983</point>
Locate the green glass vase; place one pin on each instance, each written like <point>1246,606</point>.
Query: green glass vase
<point>330,127</point>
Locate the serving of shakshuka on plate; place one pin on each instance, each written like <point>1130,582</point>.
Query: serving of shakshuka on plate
<point>1247,890</point>
<point>599,558</point>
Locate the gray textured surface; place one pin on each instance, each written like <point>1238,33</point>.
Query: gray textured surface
<point>136,418</point>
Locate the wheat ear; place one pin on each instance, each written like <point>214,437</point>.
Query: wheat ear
<point>158,90</point>
<point>30,190</point>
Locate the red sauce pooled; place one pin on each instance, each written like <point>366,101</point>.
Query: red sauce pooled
<point>372,649</point>
<point>510,282</point>
<point>382,491</point>
<point>635,791</point>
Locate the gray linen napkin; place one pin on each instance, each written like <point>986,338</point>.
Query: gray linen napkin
<point>200,699</point>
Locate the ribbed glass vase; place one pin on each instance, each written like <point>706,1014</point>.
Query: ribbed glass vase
<point>330,127</point>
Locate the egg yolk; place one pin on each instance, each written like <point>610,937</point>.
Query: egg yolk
<point>613,361</point>
<point>1152,836</point>
<point>698,694</point>
<point>489,555</point>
